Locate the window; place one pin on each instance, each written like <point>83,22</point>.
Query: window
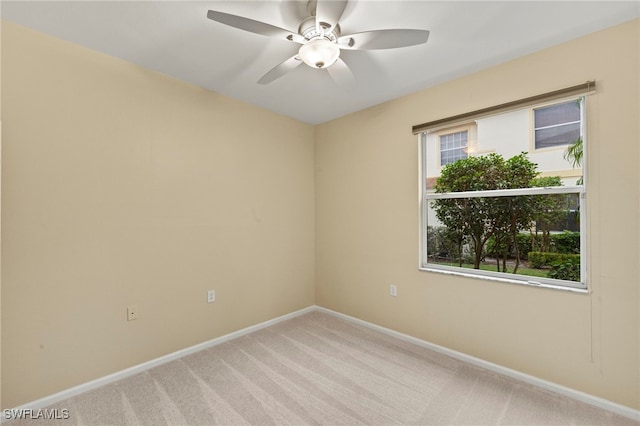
<point>557,124</point>
<point>453,147</point>
<point>498,211</point>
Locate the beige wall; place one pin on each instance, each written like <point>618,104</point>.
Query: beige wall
<point>121,186</point>
<point>367,226</point>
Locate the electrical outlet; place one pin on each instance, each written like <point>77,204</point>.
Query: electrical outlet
<point>393,290</point>
<point>132,312</point>
<point>211,296</point>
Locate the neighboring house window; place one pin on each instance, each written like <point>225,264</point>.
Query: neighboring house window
<point>453,147</point>
<point>498,211</point>
<point>558,124</point>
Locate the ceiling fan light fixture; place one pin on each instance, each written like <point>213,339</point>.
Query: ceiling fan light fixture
<point>321,39</point>
<point>319,53</point>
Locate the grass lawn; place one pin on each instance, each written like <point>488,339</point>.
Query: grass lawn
<point>492,267</point>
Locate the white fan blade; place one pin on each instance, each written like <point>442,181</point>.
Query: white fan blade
<point>341,73</point>
<point>328,13</point>
<point>383,39</point>
<point>252,26</point>
<point>280,70</point>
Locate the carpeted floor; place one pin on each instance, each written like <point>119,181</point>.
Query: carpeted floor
<point>320,370</point>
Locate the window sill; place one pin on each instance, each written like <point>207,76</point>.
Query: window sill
<point>488,276</point>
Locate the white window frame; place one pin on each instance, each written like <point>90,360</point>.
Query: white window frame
<point>427,196</point>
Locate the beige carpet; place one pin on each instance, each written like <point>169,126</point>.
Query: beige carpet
<point>320,370</point>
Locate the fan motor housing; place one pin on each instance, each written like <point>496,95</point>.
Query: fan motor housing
<point>309,31</point>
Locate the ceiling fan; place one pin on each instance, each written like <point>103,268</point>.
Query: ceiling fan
<point>320,39</point>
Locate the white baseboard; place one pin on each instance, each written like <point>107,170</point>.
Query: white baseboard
<point>540,383</point>
<point>76,390</point>
<point>553,387</point>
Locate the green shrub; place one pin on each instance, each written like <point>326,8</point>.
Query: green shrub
<point>566,242</point>
<point>523,240</point>
<point>536,259</point>
<point>568,269</point>
<point>442,243</point>
<point>539,259</point>
<point>524,244</point>
<point>495,250</point>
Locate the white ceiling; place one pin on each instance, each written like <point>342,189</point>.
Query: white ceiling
<point>176,38</point>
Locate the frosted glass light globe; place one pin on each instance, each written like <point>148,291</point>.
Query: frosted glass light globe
<point>319,53</point>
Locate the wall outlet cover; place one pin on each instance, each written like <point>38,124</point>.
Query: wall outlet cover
<point>132,312</point>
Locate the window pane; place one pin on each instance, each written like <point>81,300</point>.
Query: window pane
<point>557,124</point>
<point>560,135</point>
<point>557,114</point>
<point>453,155</point>
<point>453,147</point>
<point>479,234</point>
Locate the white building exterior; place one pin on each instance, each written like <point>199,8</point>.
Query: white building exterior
<point>507,134</point>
